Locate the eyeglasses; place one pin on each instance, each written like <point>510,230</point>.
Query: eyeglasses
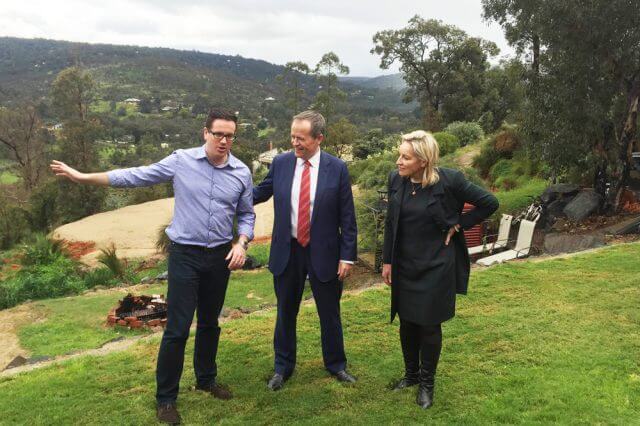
<point>218,136</point>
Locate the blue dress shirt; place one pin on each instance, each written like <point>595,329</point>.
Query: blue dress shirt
<point>207,197</point>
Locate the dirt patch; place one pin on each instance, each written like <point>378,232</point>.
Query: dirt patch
<point>10,322</point>
<point>134,229</point>
<point>466,159</point>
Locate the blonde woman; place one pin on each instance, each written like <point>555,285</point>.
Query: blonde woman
<point>425,258</point>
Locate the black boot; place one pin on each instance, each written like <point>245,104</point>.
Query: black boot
<point>425,392</point>
<point>411,378</point>
<point>410,340</point>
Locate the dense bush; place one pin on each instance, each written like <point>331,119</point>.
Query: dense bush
<point>507,140</point>
<point>56,279</point>
<point>14,224</point>
<point>43,251</point>
<point>100,276</point>
<point>486,159</point>
<point>447,142</point>
<point>373,172</point>
<point>466,132</point>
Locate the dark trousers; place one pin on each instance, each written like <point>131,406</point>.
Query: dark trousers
<point>288,288</point>
<point>421,347</point>
<point>198,280</point>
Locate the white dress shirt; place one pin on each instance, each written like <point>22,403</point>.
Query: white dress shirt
<point>295,191</point>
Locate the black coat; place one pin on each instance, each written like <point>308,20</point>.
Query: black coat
<point>445,206</point>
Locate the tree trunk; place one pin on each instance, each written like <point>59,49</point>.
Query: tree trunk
<point>625,145</point>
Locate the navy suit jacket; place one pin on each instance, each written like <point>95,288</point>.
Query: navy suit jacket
<point>333,221</point>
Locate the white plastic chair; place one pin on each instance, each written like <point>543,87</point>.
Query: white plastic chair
<point>523,245</point>
<point>500,242</point>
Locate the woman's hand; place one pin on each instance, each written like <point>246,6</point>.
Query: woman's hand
<point>452,231</point>
<point>386,273</point>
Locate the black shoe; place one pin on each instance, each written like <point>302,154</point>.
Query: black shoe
<point>168,413</point>
<point>276,382</point>
<point>407,381</point>
<point>218,391</point>
<point>425,392</point>
<point>345,377</point>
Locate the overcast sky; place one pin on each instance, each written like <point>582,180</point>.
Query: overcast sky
<point>277,31</point>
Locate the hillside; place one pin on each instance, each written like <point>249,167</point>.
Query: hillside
<point>29,66</point>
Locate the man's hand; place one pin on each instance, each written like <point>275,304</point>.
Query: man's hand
<point>386,273</point>
<point>61,169</point>
<point>450,234</point>
<point>344,269</point>
<point>237,255</point>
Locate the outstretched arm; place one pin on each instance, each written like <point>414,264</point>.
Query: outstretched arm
<point>61,169</point>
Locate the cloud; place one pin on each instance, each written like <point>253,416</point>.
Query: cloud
<point>274,30</point>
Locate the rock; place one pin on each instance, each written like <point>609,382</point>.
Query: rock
<point>146,280</point>
<point>555,208</point>
<point>560,190</point>
<point>163,276</point>
<point>582,206</point>
<point>37,359</point>
<point>251,263</point>
<point>555,243</point>
<point>17,362</point>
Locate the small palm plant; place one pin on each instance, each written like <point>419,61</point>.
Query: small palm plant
<point>109,258</point>
<point>162,240</point>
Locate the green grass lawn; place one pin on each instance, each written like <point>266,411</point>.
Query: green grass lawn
<point>534,343</point>
<point>77,323</point>
<point>8,178</point>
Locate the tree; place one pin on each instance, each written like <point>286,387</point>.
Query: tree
<point>341,136</point>
<point>290,79</point>
<point>582,101</point>
<point>329,95</point>
<point>72,93</point>
<point>443,67</point>
<point>21,133</point>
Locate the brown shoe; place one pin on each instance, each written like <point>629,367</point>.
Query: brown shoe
<point>217,390</point>
<point>168,413</point>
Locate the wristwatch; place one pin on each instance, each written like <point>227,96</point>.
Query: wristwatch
<point>244,244</point>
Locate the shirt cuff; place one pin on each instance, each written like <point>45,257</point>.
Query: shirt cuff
<point>350,262</point>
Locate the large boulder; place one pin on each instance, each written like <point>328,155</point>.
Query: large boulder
<point>555,243</point>
<point>558,191</point>
<point>582,206</point>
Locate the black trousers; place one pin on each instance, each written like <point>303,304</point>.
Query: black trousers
<point>421,347</point>
<point>289,287</point>
<point>198,279</point>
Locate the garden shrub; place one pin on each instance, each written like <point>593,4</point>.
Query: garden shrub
<point>447,142</point>
<point>100,276</point>
<point>486,159</point>
<point>56,279</point>
<point>466,132</point>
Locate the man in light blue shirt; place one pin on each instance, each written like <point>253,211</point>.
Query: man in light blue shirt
<point>211,187</point>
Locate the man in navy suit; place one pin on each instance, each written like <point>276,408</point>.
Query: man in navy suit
<point>314,234</point>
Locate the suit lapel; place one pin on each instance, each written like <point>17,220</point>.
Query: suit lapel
<point>323,170</point>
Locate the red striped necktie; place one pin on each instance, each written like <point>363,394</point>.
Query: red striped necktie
<point>304,207</point>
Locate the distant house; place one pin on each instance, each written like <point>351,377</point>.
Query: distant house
<point>164,145</point>
<point>270,99</point>
<point>245,125</point>
<point>133,101</point>
<point>168,108</point>
<point>266,158</point>
<point>57,126</point>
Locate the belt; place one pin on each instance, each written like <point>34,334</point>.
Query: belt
<point>204,249</point>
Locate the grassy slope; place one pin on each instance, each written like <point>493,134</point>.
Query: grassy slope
<point>544,342</point>
<point>77,323</point>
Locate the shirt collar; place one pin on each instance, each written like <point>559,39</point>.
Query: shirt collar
<point>315,160</point>
<point>232,161</point>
